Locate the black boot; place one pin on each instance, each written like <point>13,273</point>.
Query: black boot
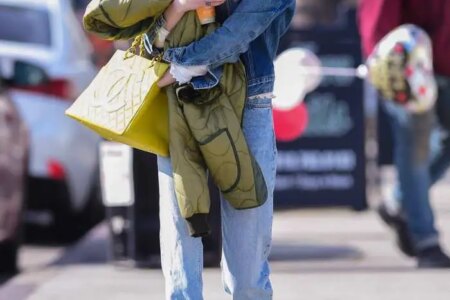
<point>398,224</point>
<point>432,257</point>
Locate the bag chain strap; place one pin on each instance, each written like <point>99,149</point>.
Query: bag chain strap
<point>138,42</point>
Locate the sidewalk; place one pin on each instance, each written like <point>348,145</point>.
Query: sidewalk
<point>317,255</point>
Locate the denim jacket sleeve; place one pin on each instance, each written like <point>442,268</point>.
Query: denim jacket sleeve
<point>250,19</point>
<point>207,81</point>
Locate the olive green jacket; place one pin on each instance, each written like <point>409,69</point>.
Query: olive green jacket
<point>204,125</point>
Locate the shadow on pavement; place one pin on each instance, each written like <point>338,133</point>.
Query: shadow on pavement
<point>286,252</point>
<point>348,269</point>
<point>307,259</point>
<point>91,249</point>
<point>5,277</point>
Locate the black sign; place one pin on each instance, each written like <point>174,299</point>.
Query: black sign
<point>326,166</point>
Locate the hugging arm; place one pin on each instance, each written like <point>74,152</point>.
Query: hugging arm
<point>249,20</point>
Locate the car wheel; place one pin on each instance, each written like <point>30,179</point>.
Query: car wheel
<point>65,227</point>
<point>71,226</point>
<point>94,211</point>
<point>48,210</point>
<point>8,257</point>
<point>9,248</point>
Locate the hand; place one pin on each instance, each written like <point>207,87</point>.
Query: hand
<point>187,5</point>
<point>166,80</point>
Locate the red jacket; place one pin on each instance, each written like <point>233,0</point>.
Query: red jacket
<point>378,17</point>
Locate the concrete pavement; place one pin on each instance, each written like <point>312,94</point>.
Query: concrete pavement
<point>317,255</point>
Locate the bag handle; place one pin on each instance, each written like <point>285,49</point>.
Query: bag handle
<point>138,42</point>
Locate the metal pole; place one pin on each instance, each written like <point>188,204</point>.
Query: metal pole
<point>359,72</point>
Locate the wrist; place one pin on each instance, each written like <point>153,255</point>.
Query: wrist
<point>173,14</point>
<point>177,7</point>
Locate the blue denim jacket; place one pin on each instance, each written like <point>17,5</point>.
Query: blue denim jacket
<point>250,30</point>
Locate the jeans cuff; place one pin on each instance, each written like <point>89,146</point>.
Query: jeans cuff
<point>427,242</point>
<point>198,225</point>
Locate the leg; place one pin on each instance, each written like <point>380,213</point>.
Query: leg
<point>441,157</point>
<point>441,161</point>
<point>247,233</point>
<point>411,156</point>
<point>181,254</point>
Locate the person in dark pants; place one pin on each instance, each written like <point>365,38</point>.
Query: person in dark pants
<point>419,166</point>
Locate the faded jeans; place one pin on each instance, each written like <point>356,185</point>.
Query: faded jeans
<point>421,156</point>
<point>246,234</point>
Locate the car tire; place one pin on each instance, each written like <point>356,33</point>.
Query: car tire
<point>71,226</point>
<point>94,211</point>
<point>8,257</point>
<point>49,198</point>
<point>9,249</point>
<point>64,225</point>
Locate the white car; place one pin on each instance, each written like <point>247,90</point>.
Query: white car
<point>63,165</point>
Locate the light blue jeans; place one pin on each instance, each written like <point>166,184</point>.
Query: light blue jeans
<point>246,234</point>
<point>421,156</point>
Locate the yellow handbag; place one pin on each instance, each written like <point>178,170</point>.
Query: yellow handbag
<point>124,104</point>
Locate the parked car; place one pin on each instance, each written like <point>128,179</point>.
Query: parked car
<point>14,153</point>
<point>63,166</point>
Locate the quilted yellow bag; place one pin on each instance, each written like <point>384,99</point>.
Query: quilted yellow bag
<point>124,104</point>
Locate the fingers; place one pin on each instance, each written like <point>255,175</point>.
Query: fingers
<point>166,80</point>
<point>214,2</point>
